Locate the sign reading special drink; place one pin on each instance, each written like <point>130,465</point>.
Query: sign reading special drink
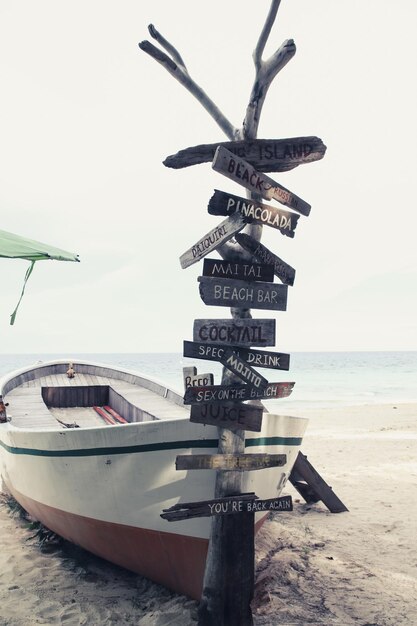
<point>282,270</point>
<point>222,203</point>
<point>258,358</point>
<point>239,293</point>
<point>242,332</point>
<point>243,173</point>
<point>266,155</point>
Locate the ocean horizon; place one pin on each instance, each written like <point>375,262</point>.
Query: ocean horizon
<point>322,379</point>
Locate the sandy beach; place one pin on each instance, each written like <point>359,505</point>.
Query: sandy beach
<point>313,567</point>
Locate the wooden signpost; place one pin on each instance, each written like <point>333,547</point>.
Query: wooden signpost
<point>244,174</point>
<point>217,268</point>
<point>235,332</point>
<point>233,415</point>
<point>229,462</point>
<point>222,203</point>
<point>192,379</point>
<point>282,270</point>
<point>266,155</point>
<point>212,240</point>
<point>226,506</point>
<point>239,293</point>
<point>240,369</point>
<point>257,358</point>
<point>236,393</point>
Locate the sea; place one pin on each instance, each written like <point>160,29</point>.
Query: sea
<point>322,379</point>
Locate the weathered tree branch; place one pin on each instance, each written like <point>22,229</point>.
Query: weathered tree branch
<point>167,46</point>
<point>263,37</point>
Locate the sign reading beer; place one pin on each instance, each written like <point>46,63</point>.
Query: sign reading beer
<point>229,462</point>
<point>243,503</point>
<point>215,238</point>
<point>246,332</point>
<point>242,370</point>
<point>244,174</point>
<point>239,293</point>
<point>228,415</point>
<point>259,358</point>
<point>222,203</point>
<point>241,271</point>
<point>266,155</point>
<point>192,379</point>
<point>282,270</point>
<point>236,393</point>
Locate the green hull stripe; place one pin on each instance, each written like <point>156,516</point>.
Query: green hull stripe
<point>152,447</point>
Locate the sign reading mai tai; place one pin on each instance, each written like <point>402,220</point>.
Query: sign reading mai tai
<point>244,174</point>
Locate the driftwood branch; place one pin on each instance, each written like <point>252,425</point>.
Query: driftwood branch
<point>263,38</point>
<point>174,64</point>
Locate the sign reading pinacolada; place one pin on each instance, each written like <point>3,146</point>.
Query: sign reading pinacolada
<point>236,393</point>
<point>222,203</point>
<point>239,293</point>
<point>244,174</point>
<point>266,155</point>
<point>241,271</point>
<point>212,240</point>
<point>282,270</point>
<point>258,358</point>
<point>242,332</point>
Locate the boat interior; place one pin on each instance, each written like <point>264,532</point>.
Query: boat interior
<point>81,395</point>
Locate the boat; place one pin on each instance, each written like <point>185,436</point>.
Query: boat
<point>89,450</point>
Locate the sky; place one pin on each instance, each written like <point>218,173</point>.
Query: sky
<point>87,119</point>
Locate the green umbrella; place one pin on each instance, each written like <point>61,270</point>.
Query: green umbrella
<point>16,247</point>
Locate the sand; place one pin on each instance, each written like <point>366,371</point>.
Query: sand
<point>313,567</point>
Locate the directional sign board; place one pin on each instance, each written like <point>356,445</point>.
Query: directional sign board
<point>192,379</point>
<point>243,371</point>
<point>239,293</point>
<point>236,393</point>
<point>282,270</point>
<point>222,203</point>
<point>235,332</point>
<point>266,155</point>
<point>229,462</point>
<point>212,240</point>
<point>231,415</point>
<point>243,503</point>
<point>241,271</point>
<point>244,174</point>
<point>258,358</point>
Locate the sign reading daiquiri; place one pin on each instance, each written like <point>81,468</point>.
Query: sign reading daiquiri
<point>239,293</point>
<point>243,173</point>
<point>242,332</point>
<point>222,203</point>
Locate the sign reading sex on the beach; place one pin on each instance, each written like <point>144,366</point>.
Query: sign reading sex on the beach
<point>228,415</point>
<point>240,271</point>
<point>212,240</point>
<point>243,503</point>
<point>245,372</point>
<point>282,270</point>
<point>229,462</point>
<point>266,155</point>
<point>239,293</point>
<point>236,393</point>
<point>244,174</point>
<point>258,358</point>
<point>222,203</point>
<point>239,332</point>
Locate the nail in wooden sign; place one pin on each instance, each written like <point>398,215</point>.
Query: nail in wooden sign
<point>241,332</point>
<point>226,506</point>
<point>243,371</point>
<point>236,393</point>
<point>282,270</point>
<point>212,240</point>
<point>266,155</point>
<point>241,271</point>
<point>238,293</point>
<point>257,358</point>
<point>222,203</point>
<point>192,379</point>
<point>244,174</point>
<point>228,415</point>
<point>229,462</point>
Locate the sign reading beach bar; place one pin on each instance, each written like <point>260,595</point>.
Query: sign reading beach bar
<point>239,293</point>
<point>243,332</point>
